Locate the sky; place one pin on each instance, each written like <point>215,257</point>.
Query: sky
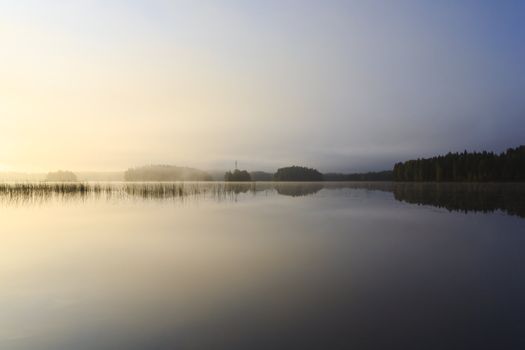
<point>336,85</point>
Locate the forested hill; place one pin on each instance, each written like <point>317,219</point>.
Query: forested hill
<point>508,166</point>
<point>165,173</point>
<point>61,176</point>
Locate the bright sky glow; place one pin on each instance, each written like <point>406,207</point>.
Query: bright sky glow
<point>338,85</point>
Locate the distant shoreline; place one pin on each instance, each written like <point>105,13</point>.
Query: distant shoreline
<point>465,167</point>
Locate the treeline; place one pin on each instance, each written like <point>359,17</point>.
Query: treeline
<point>165,173</point>
<point>468,167</point>
<point>291,173</point>
<point>299,173</point>
<point>386,175</point>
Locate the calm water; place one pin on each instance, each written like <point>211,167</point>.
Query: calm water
<point>266,266</point>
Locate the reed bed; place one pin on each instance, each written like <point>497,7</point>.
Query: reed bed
<point>36,192</point>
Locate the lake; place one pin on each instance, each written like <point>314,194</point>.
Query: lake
<point>262,266</point>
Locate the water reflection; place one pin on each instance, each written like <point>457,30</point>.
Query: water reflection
<point>287,266</point>
<point>483,198</point>
<point>298,189</point>
<point>477,197</point>
<point>462,197</point>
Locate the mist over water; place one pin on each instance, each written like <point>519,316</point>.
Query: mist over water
<point>258,266</point>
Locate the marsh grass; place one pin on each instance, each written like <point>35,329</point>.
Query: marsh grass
<point>39,192</point>
<point>26,193</point>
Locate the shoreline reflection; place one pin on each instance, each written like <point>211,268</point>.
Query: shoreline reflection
<point>459,197</point>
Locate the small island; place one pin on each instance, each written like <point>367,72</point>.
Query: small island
<point>297,173</point>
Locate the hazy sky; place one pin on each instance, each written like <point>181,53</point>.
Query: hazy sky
<point>337,85</point>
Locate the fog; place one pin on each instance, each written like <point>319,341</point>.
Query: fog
<point>336,85</point>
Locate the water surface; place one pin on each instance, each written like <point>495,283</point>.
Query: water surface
<point>262,266</point>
